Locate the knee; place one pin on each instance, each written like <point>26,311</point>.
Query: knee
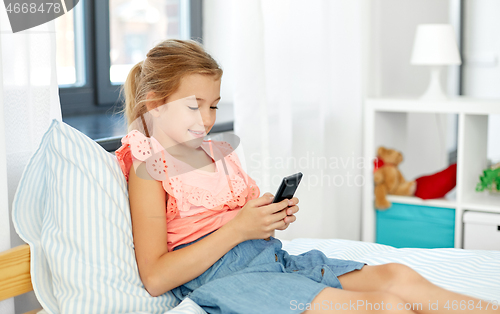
<point>396,274</point>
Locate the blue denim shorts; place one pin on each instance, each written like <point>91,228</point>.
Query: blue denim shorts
<point>257,276</point>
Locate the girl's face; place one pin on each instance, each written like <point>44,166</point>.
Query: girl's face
<point>189,114</point>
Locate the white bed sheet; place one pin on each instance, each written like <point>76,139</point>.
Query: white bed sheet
<point>470,272</point>
<point>187,306</point>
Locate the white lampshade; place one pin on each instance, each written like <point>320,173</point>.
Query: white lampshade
<point>435,44</point>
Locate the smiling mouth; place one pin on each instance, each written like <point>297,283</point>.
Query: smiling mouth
<point>197,133</point>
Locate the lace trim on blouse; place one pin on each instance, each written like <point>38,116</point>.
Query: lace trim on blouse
<point>238,191</point>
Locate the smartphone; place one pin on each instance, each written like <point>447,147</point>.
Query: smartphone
<point>287,188</point>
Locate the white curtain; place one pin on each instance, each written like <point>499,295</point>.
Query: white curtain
<point>29,100</point>
<point>298,106</point>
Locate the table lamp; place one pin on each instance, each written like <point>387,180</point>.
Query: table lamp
<point>435,46</point>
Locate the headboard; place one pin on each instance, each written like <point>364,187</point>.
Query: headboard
<point>15,278</point>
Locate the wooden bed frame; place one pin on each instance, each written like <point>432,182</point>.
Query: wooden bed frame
<point>15,277</point>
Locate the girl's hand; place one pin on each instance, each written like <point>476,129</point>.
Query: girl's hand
<point>290,211</point>
<point>259,218</point>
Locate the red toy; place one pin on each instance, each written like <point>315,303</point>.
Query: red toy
<point>437,185</point>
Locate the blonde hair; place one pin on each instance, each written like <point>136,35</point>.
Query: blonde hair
<point>161,72</point>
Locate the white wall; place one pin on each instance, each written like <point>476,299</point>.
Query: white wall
<point>392,29</point>
<point>390,36</point>
<point>482,60</point>
<point>389,39</point>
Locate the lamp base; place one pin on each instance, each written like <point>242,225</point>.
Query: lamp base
<point>434,91</point>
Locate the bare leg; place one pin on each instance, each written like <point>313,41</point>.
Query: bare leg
<point>337,300</point>
<point>411,287</point>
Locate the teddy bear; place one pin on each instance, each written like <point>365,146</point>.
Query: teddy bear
<point>388,179</point>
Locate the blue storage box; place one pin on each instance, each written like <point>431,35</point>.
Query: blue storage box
<point>405,225</point>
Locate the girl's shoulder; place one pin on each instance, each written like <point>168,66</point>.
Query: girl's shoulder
<point>141,147</point>
<point>136,149</point>
<point>143,154</point>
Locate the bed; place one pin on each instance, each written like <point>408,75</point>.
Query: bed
<point>471,272</point>
<point>71,208</point>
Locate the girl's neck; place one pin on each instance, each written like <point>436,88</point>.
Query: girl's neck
<point>177,150</point>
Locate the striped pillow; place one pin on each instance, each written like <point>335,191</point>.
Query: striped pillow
<point>72,208</point>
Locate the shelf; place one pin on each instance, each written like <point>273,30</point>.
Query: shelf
<point>439,202</point>
<point>396,123</point>
<point>454,105</point>
<point>481,201</point>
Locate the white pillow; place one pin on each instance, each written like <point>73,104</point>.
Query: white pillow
<point>72,208</point>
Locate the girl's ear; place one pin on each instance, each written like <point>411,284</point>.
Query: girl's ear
<point>152,104</point>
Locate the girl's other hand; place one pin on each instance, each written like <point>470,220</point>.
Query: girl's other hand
<point>260,217</point>
<point>290,211</point>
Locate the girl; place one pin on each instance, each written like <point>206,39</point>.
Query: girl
<point>200,228</point>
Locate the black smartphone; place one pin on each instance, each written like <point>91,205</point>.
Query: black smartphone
<point>287,188</point>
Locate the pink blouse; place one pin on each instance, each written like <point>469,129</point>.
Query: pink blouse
<point>198,201</point>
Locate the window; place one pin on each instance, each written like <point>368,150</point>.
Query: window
<point>69,71</point>
<point>100,40</point>
<point>136,25</point>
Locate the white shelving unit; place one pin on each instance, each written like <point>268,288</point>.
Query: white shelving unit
<point>385,124</point>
